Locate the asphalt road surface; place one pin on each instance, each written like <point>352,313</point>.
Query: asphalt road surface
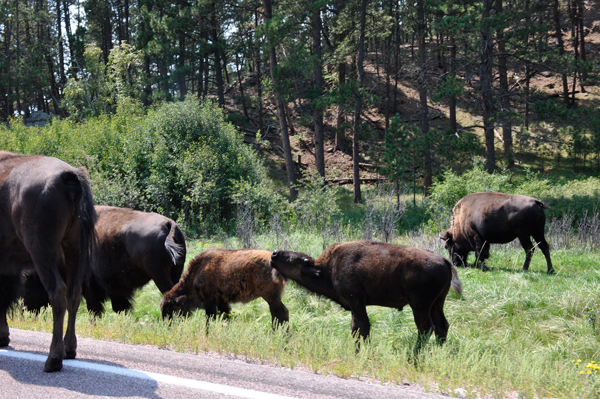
<point>113,370</point>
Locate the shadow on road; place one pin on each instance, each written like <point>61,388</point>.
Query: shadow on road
<point>85,376</point>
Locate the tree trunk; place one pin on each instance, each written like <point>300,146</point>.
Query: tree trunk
<point>61,50</point>
<point>126,15</point>
<point>318,86</point>
<point>181,64</point>
<point>452,105</point>
<point>217,55</point>
<point>259,80</point>
<point>504,95</point>
<point>285,138</point>
<point>340,137</point>
<point>485,76</point>
<point>561,50</point>
<point>239,76</point>
<point>358,104</point>
<point>7,90</point>
<point>427,178</point>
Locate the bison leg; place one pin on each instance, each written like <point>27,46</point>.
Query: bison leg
<point>482,252</point>
<point>120,303</point>
<point>225,309</point>
<point>538,236</point>
<point>361,326</point>
<point>439,322</point>
<point>9,292</point>
<point>529,249</point>
<point>425,327</point>
<point>210,307</point>
<point>73,300</point>
<point>278,312</point>
<point>57,294</point>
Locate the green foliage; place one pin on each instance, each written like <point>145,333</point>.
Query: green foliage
<point>316,204</point>
<point>449,86</point>
<point>181,159</point>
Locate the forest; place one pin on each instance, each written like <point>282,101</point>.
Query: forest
<point>280,124</point>
<point>404,90</point>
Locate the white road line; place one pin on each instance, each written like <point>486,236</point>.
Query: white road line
<point>167,379</point>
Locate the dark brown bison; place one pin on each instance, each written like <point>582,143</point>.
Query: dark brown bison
<point>361,273</point>
<point>482,219</point>
<point>134,248</point>
<point>46,222</point>
<point>217,277</point>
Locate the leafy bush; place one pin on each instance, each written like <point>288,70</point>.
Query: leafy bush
<point>181,159</point>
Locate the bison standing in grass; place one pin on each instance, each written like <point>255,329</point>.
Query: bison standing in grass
<point>134,248</point>
<point>47,224</point>
<point>482,219</point>
<point>362,273</point>
<point>217,277</point>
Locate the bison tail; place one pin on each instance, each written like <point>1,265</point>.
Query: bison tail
<point>175,245</point>
<point>455,283</point>
<point>88,239</point>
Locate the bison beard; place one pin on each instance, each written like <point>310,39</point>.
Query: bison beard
<point>361,273</point>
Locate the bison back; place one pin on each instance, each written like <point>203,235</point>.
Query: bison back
<point>386,274</point>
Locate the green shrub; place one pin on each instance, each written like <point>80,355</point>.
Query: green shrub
<point>181,159</point>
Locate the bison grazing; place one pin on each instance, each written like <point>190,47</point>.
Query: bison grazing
<point>482,219</point>
<point>361,273</point>
<point>47,223</point>
<point>134,248</point>
<point>217,277</point>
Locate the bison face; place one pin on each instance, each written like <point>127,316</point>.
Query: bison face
<point>458,255</point>
<point>294,265</point>
<point>171,306</point>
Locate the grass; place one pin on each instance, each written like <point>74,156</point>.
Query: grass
<point>513,333</point>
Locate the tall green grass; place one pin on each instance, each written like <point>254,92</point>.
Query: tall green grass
<point>512,334</point>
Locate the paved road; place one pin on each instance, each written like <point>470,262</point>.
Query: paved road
<point>112,370</point>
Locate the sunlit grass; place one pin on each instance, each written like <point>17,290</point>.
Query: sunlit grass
<point>512,333</point>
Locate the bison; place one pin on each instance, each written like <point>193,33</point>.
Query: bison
<point>47,223</point>
<point>217,277</point>
<point>362,273</point>
<point>482,219</point>
<point>134,248</point>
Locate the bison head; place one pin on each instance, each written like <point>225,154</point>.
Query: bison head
<point>294,265</point>
<point>171,305</point>
<point>457,254</point>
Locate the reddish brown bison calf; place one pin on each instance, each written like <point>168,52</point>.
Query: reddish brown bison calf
<point>481,219</point>
<point>217,277</point>
<point>361,273</point>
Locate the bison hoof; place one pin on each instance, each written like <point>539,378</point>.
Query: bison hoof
<point>4,340</point>
<point>52,365</point>
<point>70,354</point>
<point>551,272</point>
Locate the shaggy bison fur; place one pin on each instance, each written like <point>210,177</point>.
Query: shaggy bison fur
<point>361,273</point>
<point>217,277</point>
<point>482,219</point>
<point>46,222</point>
<point>134,248</point>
